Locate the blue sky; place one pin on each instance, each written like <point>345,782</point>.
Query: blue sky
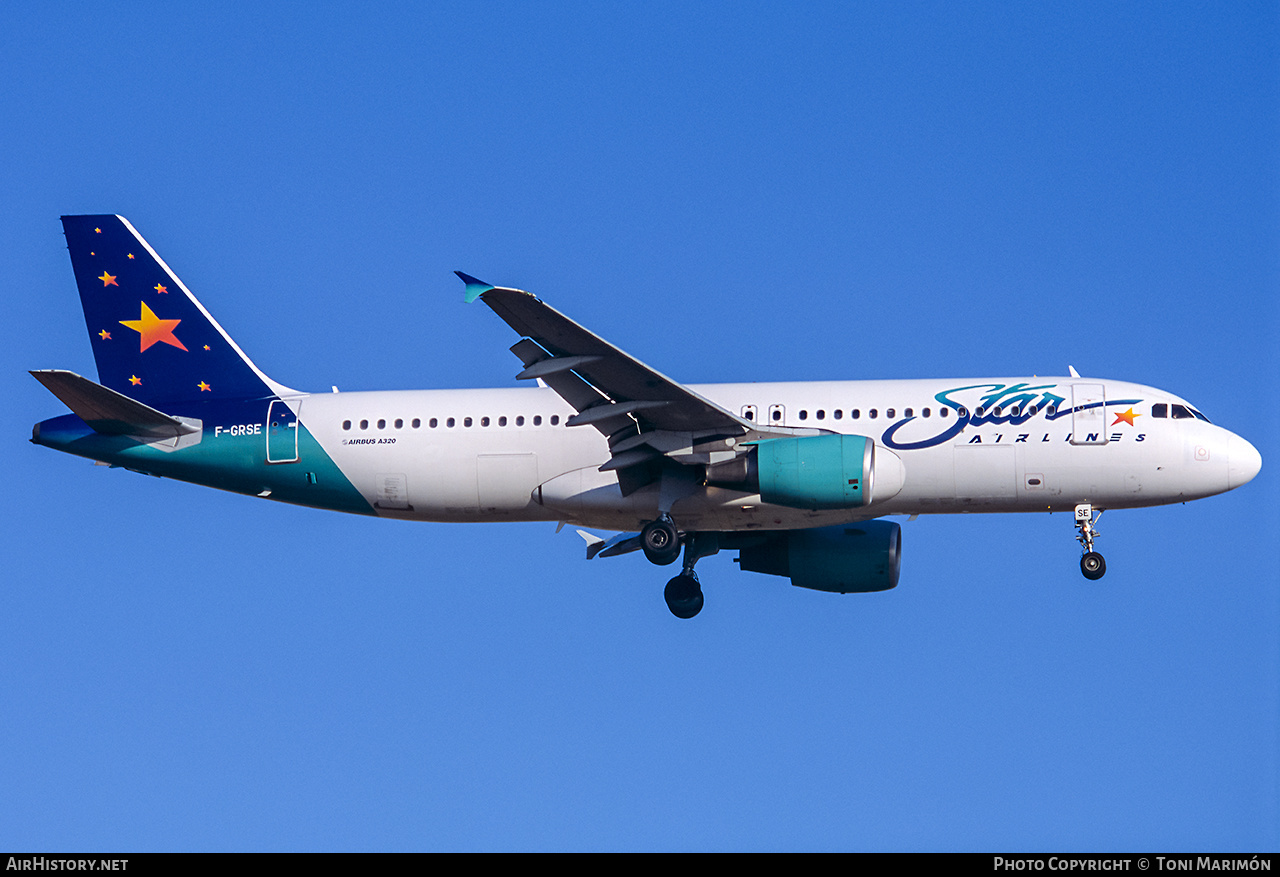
<point>728,192</point>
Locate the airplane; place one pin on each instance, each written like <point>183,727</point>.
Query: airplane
<point>795,477</point>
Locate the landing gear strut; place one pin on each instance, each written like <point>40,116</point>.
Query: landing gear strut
<point>1091,564</point>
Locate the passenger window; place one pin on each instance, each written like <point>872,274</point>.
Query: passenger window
<point>804,415</point>
<point>484,421</point>
<point>519,420</point>
<point>926,412</point>
<point>555,419</point>
<point>450,422</point>
<point>433,423</point>
<point>906,413</point>
<point>836,414</point>
<point>466,421</point>
<point>872,414</point>
<point>399,423</point>
<point>944,412</point>
<point>537,420</point>
<point>416,423</point>
<point>364,424</point>
<point>502,421</point>
<point>889,413</point>
<point>821,415</point>
<point>855,414</point>
<point>382,424</point>
<point>346,424</point>
<point>1161,410</point>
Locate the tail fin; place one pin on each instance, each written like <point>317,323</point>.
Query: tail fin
<point>151,339</point>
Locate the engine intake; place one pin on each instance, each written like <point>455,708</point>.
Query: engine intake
<point>807,472</point>
<point>866,556</point>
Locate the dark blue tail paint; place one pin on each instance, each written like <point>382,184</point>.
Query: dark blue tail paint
<point>151,339</point>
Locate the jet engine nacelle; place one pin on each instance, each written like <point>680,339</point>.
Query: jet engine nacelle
<point>814,472</point>
<point>865,556</point>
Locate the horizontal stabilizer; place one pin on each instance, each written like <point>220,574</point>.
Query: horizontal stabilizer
<point>107,411</point>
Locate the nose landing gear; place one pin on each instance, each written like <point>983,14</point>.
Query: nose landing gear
<point>1092,564</point>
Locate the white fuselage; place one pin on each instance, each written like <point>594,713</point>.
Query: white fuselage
<point>506,454</point>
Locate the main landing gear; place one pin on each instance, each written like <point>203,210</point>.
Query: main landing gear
<point>684,594</point>
<point>1091,564</point>
<point>661,543</point>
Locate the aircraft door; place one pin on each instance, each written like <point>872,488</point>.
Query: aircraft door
<point>1088,414</point>
<point>282,432</point>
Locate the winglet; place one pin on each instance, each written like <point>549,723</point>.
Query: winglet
<point>475,288</point>
<point>594,543</point>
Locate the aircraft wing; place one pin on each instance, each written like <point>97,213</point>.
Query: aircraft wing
<point>649,419</point>
<point>610,388</point>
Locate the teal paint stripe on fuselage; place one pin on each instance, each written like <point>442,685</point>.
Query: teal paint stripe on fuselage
<point>235,463</point>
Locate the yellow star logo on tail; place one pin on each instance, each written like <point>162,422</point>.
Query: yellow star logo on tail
<point>153,329</point>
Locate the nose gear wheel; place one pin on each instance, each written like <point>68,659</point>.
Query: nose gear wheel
<point>1092,564</point>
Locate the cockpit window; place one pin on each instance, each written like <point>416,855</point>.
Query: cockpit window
<point>1180,412</point>
<point>1161,410</point>
<point>1200,416</point>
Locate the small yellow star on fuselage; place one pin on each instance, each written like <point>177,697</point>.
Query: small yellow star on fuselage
<point>1125,416</point>
<point>206,347</point>
<point>104,335</point>
<point>204,388</point>
<point>161,288</point>
<point>108,279</point>
<point>135,380</point>
<point>130,255</point>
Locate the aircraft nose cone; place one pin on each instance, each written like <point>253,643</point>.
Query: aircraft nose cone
<point>1243,462</point>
